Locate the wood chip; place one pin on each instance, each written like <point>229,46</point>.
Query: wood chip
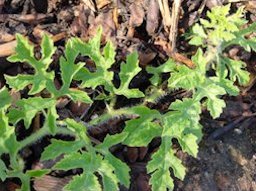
<point>137,14</point>
<point>165,11</point>
<point>152,17</point>
<point>174,25</point>
<point>90,4</point>
<point>102,3</point>
<point>50,183</point>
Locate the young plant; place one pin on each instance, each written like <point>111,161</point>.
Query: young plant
<point>101,170</point>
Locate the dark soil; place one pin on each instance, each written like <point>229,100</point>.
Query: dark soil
<point>225,164</point>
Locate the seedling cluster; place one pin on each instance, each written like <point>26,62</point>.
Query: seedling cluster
<point>213,76</point>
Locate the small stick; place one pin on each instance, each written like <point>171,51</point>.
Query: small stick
<point>174,23</point>
<point>29,18</point>
<point>165,12</point>
<point>8,48</point>
<point>221,131</point>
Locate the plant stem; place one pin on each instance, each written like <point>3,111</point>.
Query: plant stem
<point>34,137</point>
<point>41,133</point>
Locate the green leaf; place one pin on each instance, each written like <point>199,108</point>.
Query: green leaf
<point>78,95</point>
<point>103,62</point>
<point>240,39</point>
<point>80,130</point>
<point>220,27</point>
<point>110,180</point>
<point>50,121</point>
<point>198,35</point>
<point>109,54</point>
<point>85,182</point>
<point>236,70</point>
<point>142,130</point>
<point>28,108</point>
<point>188,108</point>
<point>5,98</point>
<point>68,70</point>
<point>111,140</point>
<point>212,91</point>
<point>215,106</point>
<point>188,143</point>
<point>200,62</point>
<point>120,168</point>
<point>58,147</point>
<point>90,163</point>
<point>184,131</point>
<point>161,181</point>
<point>25,53</point>
<point>227,84</point>
<point>196,40</point>
<point>19,81</point>
<point>8,142</point>
<point>182,123</point>
<point>184,77</point>
<point>187,78</point>
<point>38,81</point>
<point>76,160</point>
<point>48,49</point>
<point>3,169</point>
<point>159,166</point>
<point>127,73</point>
<point>157,71</point>
<point>37,173</point>
<point>68,67</point>
<point>93,79</point>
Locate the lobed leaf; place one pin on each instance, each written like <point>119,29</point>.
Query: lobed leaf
<point>58,147</point>
<point>103,62</point>
<point>142,130</point>
<point>37,173</point>
<point>227,84</point>
<point>157,71</point>
<point>120,168</point>
<point>109,178</point>
<point>212,92</point>
<point>8,142</point>
<point>28,108</point>
<point>236,70</point>
<point>25,53</point>
<point>85,182</point>
<point>5,98</point>
<point>50,120</point>
<point>127,73</point>
<point>162,160</point>
<point>3,170</point>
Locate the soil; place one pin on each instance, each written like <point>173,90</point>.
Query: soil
<point>227,163</point>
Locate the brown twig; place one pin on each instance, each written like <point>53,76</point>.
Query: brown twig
<point>9,48</point>
<point>164,9</point>
<point>171,24</point>
<point>174,55</point>
<point>221,131</point>
<point>29,18</point>
<point>174,24</point>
